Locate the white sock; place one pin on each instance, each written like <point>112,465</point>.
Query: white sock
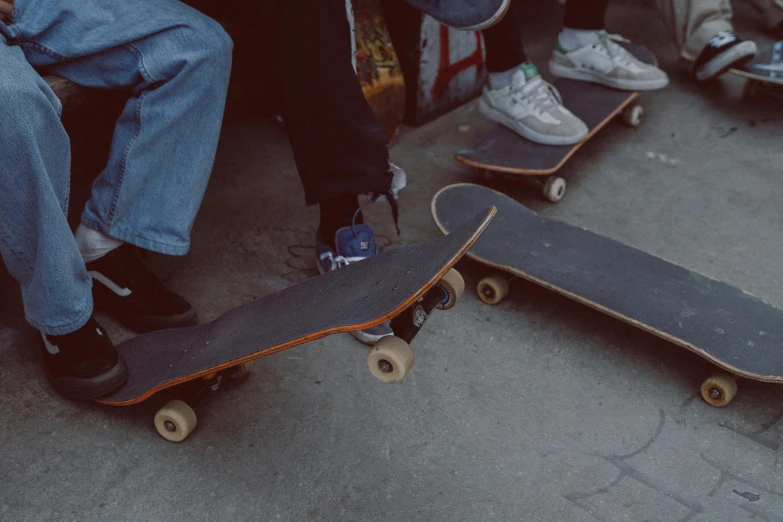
<point>93,244</point>
<point>498,80</point>
<point>573,39</point>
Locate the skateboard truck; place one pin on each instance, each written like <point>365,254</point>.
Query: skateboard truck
<point>201,359</point>
<point>177,418</point>
<point>407,324</point>
<point>738,332</point>
<point>392,357</point>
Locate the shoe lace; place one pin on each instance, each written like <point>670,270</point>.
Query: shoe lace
<point>617,53</point>
<point>537,95</point>
<point>336,262</point>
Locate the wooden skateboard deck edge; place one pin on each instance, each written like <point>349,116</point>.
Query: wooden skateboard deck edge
<point>633,96</point>
<point>490,213</point>
<point>756,77</point>
<point>596,306</point>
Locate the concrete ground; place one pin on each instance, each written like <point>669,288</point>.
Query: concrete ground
<point>537,409</point>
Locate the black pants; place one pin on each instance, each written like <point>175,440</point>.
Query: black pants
<point>504,40</point>
<point>339,146</point>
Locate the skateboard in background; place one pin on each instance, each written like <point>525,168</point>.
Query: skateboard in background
<point>729,327</point>
<point>505,152</point>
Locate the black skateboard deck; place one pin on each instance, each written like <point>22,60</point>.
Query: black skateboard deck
<point>765,67</point>
<point>503,150</point>
<point>724,324</point>
<point>403,285</point>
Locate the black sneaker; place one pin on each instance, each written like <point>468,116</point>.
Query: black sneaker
<point>724,51</point>
<point>83,364</point>
<point>126,290</point>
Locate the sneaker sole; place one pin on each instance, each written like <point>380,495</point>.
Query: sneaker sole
<point>737,55</point>
<point>502,118</point>
<point>491,21</point>
<point>595,77</point>
<point>94,387</point>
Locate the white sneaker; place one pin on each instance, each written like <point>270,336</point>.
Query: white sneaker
<point>607,63</point>
<point>533,109</point>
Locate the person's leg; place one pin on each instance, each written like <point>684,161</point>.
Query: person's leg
<point>503,42</point>
<point>339,146</point>
<point>693,23</point>
<point>585,51</point>
<point>36,243</point>
<point>704,35</point>
<point>515,94</point>
<point>587,15</point>
<point>176,64</point>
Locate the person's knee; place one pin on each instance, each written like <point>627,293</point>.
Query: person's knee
<point>26,104</point>
<point>209,42</point>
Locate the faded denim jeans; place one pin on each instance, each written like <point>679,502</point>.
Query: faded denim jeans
<point>175,63</point>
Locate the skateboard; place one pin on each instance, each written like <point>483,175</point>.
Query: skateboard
<point>403,285</point>
<point>503,151</point>
<point>377,65</point>
<point>731,328</point>
<point>764,72</point>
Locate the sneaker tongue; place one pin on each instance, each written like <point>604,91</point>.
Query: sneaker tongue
<point>530,70</point>
<point>357,241</point>
<point>526,74</point>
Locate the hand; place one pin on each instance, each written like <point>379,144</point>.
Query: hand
<point>6,6</point>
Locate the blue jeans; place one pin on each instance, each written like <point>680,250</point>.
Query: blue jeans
<point>175,64</point>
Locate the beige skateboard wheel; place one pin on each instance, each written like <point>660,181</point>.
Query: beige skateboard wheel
<point>633,115</point>
<point>719,390</point>
<point>493,289</point>
<point>240,370</point>
<point>454,285</point>
<point>390,359</point>
<point>175,421</point>
<point>554,189</point>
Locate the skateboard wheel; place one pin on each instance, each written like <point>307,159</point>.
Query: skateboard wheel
<point>492,289</point>
<point>554,189</point>
<point>633,115</point>
<point>719,390</point>
<point>453,284</point>
<point>390,359</point>
<point>240,370</point>
<point>175,421</point>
